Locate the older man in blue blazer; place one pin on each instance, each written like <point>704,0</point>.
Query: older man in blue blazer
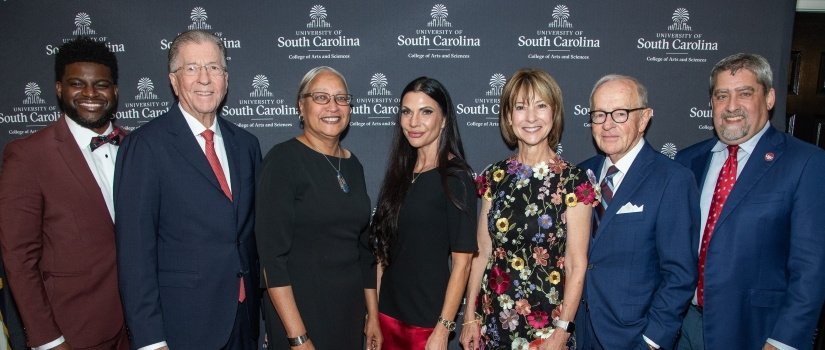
<point>642,255</point>
<point>184,196</point>
<point>762,266</point>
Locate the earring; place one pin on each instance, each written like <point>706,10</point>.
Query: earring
<point>300,118</point>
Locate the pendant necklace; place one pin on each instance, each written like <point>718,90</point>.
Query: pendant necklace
<point>415,177</point>
<point>341,181</point>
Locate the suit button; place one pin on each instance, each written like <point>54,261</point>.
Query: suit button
<point>589,266</point>
<point>240,274</point>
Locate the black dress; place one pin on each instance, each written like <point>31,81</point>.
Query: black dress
<point>430,226</point>
<point>313,236</point>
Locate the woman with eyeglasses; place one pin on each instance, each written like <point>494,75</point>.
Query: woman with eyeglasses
<point>312,216</point>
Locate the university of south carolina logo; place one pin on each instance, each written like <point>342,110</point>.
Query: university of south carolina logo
<point>560,16</point>
<point>318,14</point>
<point>439,15</point>
<point>146,87</point>
<point>379,85</point>
<point>497,82</point>
<point>680,18</point>
<point>82,21</point>
<point>198,16</point>
<point>559,149</point>
<point>33,95</point>
<point>260,83</point>
<point>669,149</point>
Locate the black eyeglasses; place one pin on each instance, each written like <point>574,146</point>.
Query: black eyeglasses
<point>323,98</point>
<point>618,115</point>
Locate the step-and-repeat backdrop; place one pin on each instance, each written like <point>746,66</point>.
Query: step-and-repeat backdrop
<point>379,46</point>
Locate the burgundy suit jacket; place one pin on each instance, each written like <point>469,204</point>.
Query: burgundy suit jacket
<point>58,241</point>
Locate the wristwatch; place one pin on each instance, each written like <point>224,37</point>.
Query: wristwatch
<point>450,325</point>
<point>567,326</point>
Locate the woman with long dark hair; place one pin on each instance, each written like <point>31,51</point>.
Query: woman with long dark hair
<point>425,215</point>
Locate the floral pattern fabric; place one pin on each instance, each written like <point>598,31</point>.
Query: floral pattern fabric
<point>523,284</point>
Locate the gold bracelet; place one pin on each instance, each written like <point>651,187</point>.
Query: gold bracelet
<point>477,319</point>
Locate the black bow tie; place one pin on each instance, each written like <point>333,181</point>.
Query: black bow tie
<point>113,138</point>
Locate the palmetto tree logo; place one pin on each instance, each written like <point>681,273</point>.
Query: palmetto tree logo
<point>33,95</point>
<point>559,149</point>
<point>680,18</point>
<point>260,83</point>
<point>318,14</point>
<point>560,16</point>
<point>379,84</point>
<point>82,21</point>
<point>146,87</point>
<point>497,82</point>
<point>198,16</point>
<point>669,150</point>
<point>439,15</point>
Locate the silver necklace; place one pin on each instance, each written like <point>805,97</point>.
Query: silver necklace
<point>341,181</point>
<point>415,177</point>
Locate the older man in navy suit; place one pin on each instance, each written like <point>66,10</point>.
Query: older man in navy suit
<point>642,254</point>
<point>184,195</point>
<point>761,261</point>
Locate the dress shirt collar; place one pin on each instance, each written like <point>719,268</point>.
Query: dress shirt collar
<point>625,162</point>
<point>196,126</point>
<point>83,136</point>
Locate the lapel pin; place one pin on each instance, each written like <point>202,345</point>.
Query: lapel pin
<point>769,157</point>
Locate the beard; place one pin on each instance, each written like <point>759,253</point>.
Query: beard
<point>107,115</point>
<point>733,133</point>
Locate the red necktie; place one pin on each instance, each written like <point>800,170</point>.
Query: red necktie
<point>212,157</point>
<point>725,182</point>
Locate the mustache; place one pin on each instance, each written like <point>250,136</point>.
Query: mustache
<point>736,113</point>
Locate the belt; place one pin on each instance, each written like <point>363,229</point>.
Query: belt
<point>698,308</point>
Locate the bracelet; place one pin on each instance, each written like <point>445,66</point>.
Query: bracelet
<point>298,340</point>
<point>477,319</point>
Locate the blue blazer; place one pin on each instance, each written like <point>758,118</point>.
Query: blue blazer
<point>642,266</point>
<point>765,267</point>
<point>181,244</point>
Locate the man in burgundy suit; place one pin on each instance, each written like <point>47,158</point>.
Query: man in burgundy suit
<point>57,230</point>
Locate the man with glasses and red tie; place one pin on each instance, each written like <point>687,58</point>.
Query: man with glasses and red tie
<point>57,227</point>
<point>642,255</point>
<point>184,196</point>
<point>761,261</point>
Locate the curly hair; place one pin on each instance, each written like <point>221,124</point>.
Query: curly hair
<point>84,49</point>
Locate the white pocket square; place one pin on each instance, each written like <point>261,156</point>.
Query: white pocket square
<point>631,208</point>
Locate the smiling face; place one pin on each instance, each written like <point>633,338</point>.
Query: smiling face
<point>422,121</point>
<point>324,121</point>
<point>531,119</point>
<point>616,139</point>
<point>201,94</point>
<point>88,95</point>
<point>740,106</point>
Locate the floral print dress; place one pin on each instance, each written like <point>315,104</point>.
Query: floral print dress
<point>523,284</point>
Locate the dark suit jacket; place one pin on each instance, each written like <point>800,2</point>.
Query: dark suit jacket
<point>765,267</point>
<point>642,265</point>
<point>180,241</point>
<point>58,241</point>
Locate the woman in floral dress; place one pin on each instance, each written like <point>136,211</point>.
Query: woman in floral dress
<point>526,282</point>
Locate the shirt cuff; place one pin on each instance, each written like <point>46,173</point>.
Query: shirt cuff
<point>153,346</point>
<point>779,345</point>
<point>50,344</point>
<point>650,342</point>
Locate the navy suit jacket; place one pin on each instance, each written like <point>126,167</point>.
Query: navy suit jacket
<point>642,266</point>
<point>181,242</point>
<point>765,265</point>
